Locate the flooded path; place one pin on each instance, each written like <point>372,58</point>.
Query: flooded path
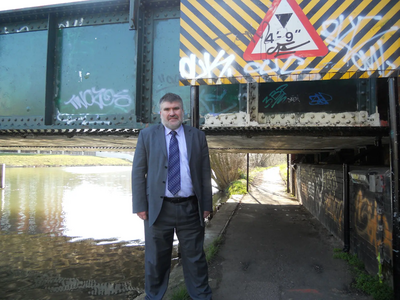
<point>69,233</point>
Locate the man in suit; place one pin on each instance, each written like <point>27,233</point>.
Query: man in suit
<point>171,191</point>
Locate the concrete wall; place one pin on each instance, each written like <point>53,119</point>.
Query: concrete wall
<point>320,189</point>
<point>370,218</point>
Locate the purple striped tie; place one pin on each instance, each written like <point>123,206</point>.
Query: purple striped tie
<point>174,168</point>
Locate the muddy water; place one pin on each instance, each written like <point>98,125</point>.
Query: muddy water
<point>68,233</point>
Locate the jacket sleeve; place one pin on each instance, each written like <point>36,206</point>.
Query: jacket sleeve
<point>139,174</point>
<point>206,175</point>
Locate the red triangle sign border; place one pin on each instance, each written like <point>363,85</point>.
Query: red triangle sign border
<point>322,48</point>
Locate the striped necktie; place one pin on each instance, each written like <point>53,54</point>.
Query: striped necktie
<point>174,168</point>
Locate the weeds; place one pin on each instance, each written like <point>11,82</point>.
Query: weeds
<point>211,251</point>
<point>238,187</point>
<point>180,293</point>
<point>364,282</point>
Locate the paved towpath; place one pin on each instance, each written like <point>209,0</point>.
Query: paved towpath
<point>274,249</point>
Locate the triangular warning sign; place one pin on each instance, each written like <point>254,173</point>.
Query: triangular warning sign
<point>285,31</point>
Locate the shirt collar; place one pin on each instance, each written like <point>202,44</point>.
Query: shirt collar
<point>179,131</point>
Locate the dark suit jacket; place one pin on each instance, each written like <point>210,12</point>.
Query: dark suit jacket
<point>150,170</point>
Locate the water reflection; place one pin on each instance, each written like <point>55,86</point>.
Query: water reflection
<point>65,232</point>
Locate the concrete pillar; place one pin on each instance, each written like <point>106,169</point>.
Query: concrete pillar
<point>2,176</point>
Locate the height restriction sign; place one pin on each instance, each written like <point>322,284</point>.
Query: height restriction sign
<point>285,31</point>
<point>239,41</point>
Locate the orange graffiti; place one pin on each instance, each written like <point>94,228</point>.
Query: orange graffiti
<point>368,222</point>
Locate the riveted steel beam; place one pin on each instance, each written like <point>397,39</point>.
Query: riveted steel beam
<point>133,14</point>
<point>394,111</point>
<point>50,69</point>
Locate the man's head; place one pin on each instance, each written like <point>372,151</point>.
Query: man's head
<point>171,111</point>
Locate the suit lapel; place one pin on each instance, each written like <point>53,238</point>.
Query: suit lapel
<point>188,137</point>
<point>161,137</point>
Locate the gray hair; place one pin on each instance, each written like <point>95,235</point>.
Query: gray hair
<point>171,97</point>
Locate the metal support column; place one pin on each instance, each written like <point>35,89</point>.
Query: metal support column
<point>247,176</point>
<point>287,173</point>
<point>2,176</point>
<point>346,209</point>
<point>394,168</point>
<point>50,69</point>
<point>194,106</point>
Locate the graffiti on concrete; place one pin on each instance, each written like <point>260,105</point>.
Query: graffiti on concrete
<point>321,194</point>
<point>370,221</point>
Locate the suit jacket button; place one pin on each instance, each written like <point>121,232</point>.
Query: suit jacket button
<point>166,167</point>
<point>161,196</point>
<point>163,182</point>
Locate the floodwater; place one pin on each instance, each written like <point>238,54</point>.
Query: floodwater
<point>69,233</point>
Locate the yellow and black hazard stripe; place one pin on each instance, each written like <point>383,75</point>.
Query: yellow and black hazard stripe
<point>363,45</point>
<point>209,25</point>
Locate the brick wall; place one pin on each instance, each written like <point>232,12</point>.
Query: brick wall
<point>320,190</point>
<point>370,218</point>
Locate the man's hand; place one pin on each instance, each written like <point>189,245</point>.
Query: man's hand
<point>206,214</point>
<point>142,215</point>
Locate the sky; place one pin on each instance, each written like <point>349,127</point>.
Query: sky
<point>18,4</point>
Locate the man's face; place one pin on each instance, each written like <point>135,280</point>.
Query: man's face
<point>171,114</point>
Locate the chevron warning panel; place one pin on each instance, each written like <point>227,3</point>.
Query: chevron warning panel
<point>239,41</point>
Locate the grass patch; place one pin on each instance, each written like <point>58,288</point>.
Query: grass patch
<point>42,160</point>
<point>180,293</point>
<point>364,282</point>
<point>212,250</point>
<point>238,187</point>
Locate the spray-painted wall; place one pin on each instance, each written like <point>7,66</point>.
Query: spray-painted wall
<point>320,190</point>
<point>370,218</point>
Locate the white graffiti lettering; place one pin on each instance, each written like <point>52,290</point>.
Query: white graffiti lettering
<point>67,24</point>
<point>271,67</point>
<point>336,32</point>
<point>187,66</point>
<point>332,31</point>
<point>102,98</point>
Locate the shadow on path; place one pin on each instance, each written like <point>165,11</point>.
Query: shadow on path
<point>275,249</point>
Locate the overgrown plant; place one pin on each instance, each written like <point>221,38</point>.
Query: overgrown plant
<point>226,168</point>
<point>238,187</point>
<point>371,285</point>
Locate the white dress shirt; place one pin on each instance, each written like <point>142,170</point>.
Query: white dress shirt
<point>186,179</point>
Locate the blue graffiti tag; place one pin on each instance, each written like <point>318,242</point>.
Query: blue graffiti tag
<point>275,97</point>
<point>320,99</point>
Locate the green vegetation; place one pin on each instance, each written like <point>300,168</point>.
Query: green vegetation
<point>238,187</point>
<point>212,250</point>
<point>371,285</point>
<point>39,160</point>
<point>283,171</point>
<point>180,293</point>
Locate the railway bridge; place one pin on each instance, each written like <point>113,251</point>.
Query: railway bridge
<point>317,80</point>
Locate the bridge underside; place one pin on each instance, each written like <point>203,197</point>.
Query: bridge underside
<point>234,139</point>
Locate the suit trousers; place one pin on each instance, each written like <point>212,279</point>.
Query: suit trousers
<point>183,218</point>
